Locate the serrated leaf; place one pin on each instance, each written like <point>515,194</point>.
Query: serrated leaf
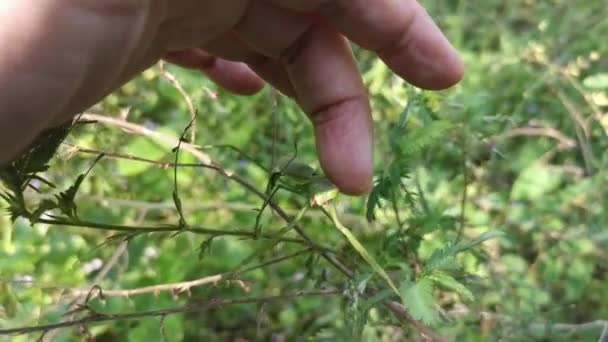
<point>15,207</point>
<point>489,235</point>
<point>418,299</point>
<point>398,170</point>
<point>380,191</point>
<point>66,199</point>
<point>452,284</point>
<point>442,258</point>
<point>373,201</point>
<point>42,150</point>
<point>419,139</point>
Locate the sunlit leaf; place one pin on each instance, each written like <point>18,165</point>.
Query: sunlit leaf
<point>597,81</point>
<point>450,283</point>
<point>418,299</point>
<point>534,182</point>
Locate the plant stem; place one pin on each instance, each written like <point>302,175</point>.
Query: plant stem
<point>161,229</point>
<point>98,317</point>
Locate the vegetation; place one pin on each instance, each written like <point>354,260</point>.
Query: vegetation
<point>486,222</point>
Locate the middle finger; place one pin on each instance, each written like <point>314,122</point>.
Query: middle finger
<point>327,83</point>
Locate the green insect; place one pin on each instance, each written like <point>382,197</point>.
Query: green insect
<point>307,181</point>
<point>300,179</point>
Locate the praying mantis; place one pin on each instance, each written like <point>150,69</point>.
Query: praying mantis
<point>298,178</point>
<point>302,179</point>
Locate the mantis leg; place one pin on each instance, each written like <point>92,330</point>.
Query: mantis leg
<point>271,188</point>
<point>275,239</point>
<point>258,218</point>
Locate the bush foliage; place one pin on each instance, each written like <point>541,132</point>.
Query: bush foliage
<point>487,219</point>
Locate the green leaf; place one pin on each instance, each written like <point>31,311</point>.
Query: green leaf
<point>489,235</point>
<point>419,139</point>
<point>42,150</point>
<point>381,190</point>
<point>418,300</point>
<point>16,205</point>
<point>597,81</point>
<point>443,258</point>
<point>8,300</point>
<point>450,283</point>
<point>535,182</point>
<point>140,147</point>
<point>66,200</point>
<point>296,171</point>
<point>373,201</point>
<point>361,250</point>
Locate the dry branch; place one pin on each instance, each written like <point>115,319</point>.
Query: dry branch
<point>93,317</point>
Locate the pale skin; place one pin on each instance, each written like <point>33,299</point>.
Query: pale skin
<point>58,57</point>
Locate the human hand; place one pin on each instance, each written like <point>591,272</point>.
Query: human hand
<point>61,56</point>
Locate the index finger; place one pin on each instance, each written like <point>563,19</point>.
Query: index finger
<point>400,31</point>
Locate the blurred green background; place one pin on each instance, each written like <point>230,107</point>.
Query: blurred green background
<point>525,154</point>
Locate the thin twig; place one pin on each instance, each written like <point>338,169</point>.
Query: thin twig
<point>464,312</point>
<point>115,155</point>
<point>597,113</point>
<point>108,266</point>
<point>172,79</point>
<point>400,222</point>
<point>465,186</point>
<point>181,287</point>
<point>581,129</point>
<point>564,74</point>
<point>272,95</point>
<point>604,335</point>
<point>102,274</point>
<point>206,160</point>
<point>169,141</point>
<point>548,132</point>
<point>351,219</point>
<point>99,317</point>
<point>160,229</point>
<point>399,311</point>
<point>231,176</point>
